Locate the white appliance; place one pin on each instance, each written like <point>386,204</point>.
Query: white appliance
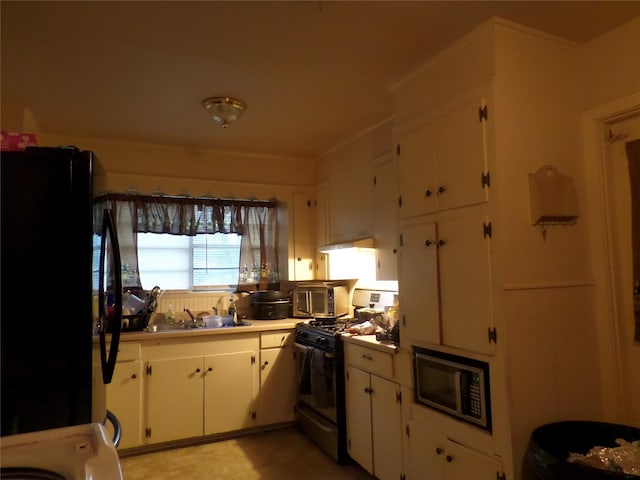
<point>79,452</point>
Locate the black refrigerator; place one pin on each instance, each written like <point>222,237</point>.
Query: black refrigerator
<point>58,258</point>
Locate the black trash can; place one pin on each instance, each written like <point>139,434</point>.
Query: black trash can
<point>550,445</point>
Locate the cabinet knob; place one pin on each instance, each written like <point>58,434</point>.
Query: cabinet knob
<point>449,458</point>
<point>439,450</point>
<point>428,243</point>
<point>197,370</point>
<point>441,189</point>
<point>428,193</point>
<point>134,376</point>
<point>210,369</point>
<point>441,243</point>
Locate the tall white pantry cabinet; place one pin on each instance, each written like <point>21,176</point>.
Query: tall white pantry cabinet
<point>476,277</point>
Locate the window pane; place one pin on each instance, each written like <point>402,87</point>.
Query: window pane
<point>164,260</point>
<point>216,260</point>
<point>181,262</point>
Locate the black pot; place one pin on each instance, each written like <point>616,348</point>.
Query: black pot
<point>270,310</point>
<point>269,295</point>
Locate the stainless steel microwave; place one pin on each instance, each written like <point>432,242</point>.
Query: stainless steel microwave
<point>320,299</point>
<point>455,385</point>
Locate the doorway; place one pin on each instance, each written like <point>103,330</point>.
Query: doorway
<point>610,128</point>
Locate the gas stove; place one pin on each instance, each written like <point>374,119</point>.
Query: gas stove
<point>322,333</point>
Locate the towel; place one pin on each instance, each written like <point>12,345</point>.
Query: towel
<point>304,380</point>
<point>321,369</point>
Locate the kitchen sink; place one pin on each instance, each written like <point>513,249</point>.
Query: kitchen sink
<point>168,327</point>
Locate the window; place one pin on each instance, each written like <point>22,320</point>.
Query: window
<point>182,262</point>
<point>185,243</point>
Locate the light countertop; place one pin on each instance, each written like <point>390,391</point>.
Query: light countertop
<point>256,326</point>
<point>370,342</point>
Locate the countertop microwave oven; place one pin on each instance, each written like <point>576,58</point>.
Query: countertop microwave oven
<point>453,384</point>
<point>320,299</point>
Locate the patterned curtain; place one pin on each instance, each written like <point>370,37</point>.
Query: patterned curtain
<point>255,221</point>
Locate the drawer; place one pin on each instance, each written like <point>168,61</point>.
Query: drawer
<point>275,339</point>
<point>128,352</point>
<point>373,361</point>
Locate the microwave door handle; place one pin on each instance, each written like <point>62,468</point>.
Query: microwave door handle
<point>458,384</point>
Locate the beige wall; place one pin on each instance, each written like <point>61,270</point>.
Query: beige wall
<point>611,66</point>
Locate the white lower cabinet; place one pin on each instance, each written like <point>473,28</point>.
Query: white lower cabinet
<point>434,456</point>
<point>277,396</point>
<point>202,395</point>
<point>174,399</point>
<point>374,420</point>
<point>230,390</point>
<point>124,396</point>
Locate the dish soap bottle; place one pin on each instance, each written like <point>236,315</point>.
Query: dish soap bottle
<point>232,309</point>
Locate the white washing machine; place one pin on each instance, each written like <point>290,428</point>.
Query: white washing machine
<point>79,452</point>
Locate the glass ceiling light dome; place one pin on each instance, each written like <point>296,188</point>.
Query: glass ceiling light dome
<point>224,110</point>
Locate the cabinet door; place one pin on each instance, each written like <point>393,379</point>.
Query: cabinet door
<point>322,231</point>
<point>384,214</point>
<point>463,463</point>
<point>229,392</point>
<point>303,237</point>
<point>174,399</point>
<point>460,154</point>
<point>359,439</point>
<point>465,283</point>
<point>426,449</point>
<point>386,424</point>
<point>417,174</point>
<point>418,283</point>
<point>277,396</point>
<point>124,397</point>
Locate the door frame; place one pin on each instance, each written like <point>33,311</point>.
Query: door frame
<point>616,401</point>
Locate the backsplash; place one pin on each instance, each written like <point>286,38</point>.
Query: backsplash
<point>195,302</point>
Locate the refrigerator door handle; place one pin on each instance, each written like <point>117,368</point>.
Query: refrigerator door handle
<point>109,364</point>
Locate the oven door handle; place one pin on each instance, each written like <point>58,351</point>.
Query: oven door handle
<point>303,349</point>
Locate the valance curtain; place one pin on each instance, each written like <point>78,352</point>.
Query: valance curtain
<point>255,221</point>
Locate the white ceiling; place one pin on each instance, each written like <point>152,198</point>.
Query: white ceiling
<point>313,73</point>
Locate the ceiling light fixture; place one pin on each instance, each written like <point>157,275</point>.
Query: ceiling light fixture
<point>224,110</point>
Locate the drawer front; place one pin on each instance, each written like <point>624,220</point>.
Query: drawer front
<point>128,352</point>
<point>373,361</point>
<point>275,339</point>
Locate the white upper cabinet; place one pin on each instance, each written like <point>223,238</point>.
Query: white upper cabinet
<point>302,255</point>
<point>385,218</point>
<point>442,163</point>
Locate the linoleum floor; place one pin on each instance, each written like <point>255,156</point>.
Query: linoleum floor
<point>272,455</point>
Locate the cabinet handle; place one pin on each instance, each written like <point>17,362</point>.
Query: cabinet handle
<point>428,193</point>
<point>441,243</point>
<point>428,243</point>
<point>441,189</point>
<point>439,450</point>
<point>367,357</point>
<point>449,458</point>
<point>368,390</point>
<point>264,365</point>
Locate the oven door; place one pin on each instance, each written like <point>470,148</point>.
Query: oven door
<point>323,403</point>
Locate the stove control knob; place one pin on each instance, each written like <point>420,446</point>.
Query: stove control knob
<point>321,340</point>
